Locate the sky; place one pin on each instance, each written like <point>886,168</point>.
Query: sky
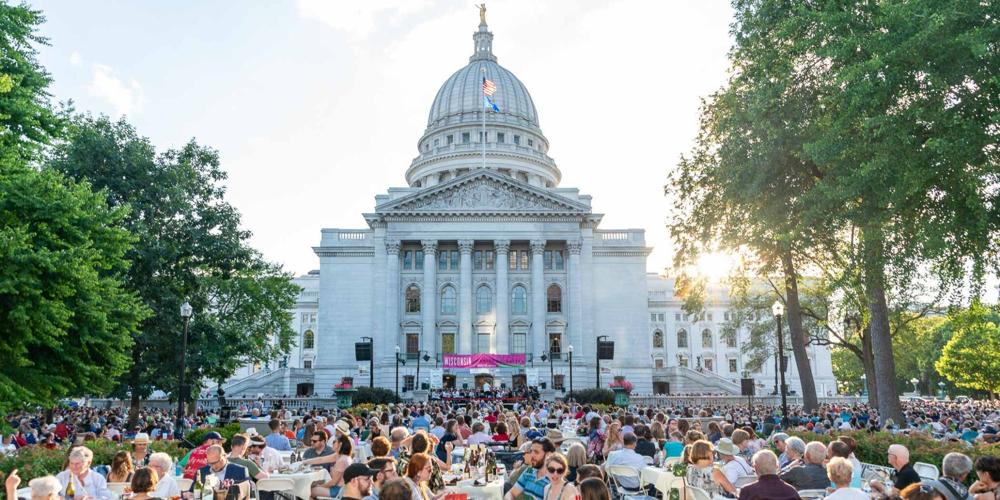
<point>316,106</point>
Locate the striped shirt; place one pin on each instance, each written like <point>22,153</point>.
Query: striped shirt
<point>531,484</point>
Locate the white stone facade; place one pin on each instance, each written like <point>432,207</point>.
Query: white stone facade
<point>484,252</point>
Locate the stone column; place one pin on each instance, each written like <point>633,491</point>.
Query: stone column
<point>539,340</point>
<point>503,302</point>
<point>392,295</point>
<point>465,297</point>
<point>575,310</point>
<point>428,304</point>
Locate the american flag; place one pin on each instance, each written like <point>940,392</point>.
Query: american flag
<point>489,88</point>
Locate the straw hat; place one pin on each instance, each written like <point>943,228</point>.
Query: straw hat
<point>726,447</point>
<point>141,438</point>
<point>554,435</point>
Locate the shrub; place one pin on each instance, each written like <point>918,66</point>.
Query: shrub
<point>872,447</point>
<point>375,396</point>
<point>37,461</point>
<point>591,396</point>
<point>196,436</point>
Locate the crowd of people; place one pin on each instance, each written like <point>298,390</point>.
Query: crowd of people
<point>563,451</point>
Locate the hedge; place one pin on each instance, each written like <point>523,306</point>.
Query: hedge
<point>375,396</point>
<point>590,396</point>
<point>196,436</point>
<point>872,447</point>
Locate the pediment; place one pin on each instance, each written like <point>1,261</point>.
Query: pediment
<point>483,191</point>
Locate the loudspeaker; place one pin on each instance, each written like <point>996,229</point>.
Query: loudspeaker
<point>605,349</point>
<point>363,351</point>
<point>746,387</point>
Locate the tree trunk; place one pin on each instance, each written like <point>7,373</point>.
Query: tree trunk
<point>885,366</point>
<point>868,364</point>
<point>135,404</point>
<point>798,337</point>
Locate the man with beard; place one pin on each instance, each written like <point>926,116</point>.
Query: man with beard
<point>533,481</point>
<point>357,482</point>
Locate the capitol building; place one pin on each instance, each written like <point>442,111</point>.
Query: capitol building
<point>485,252</point>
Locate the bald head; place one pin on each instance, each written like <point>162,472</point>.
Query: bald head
<point>765,462</point>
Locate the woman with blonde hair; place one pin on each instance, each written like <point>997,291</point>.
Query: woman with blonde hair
<point>576,456</point>
<point>613,442</point>
<point>701,460</point>
<point>121,468</point>
<point>559,488</point>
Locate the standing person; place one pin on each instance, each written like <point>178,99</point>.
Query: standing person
<point>86,481</point>
<point>556,467</point>
<point>840,470</point>
<point>196,459</point>
<point>533,481</point>
<point>276,439</point>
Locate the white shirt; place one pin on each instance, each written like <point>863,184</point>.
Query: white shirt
<point>479,438</point>
<point>627,456</point>
<point>94,485</point>
<point>167,487</point>
<point>735,468</point>
<point>848,494</point>
<point>270,459</point>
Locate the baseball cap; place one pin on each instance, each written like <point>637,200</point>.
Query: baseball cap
<point>357,470</point>
<point>213,435</point>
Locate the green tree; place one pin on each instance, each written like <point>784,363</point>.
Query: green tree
<point>66,316</point>
<point>190,247</point>
<point>971,358</point>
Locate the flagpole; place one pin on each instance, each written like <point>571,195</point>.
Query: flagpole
<point>483,139</point>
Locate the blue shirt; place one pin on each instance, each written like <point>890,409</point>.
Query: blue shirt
<point>532,485</point>
<point>278,442</point>
<point>421,422</point>
<point>673,448</point>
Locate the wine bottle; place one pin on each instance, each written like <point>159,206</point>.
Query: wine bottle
<point>70,489</point>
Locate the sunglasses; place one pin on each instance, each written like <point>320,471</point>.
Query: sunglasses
<point>553,470</point>
<point>316,440</point>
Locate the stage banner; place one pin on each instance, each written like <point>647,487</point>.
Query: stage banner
<point>437,378</point>
<point>483,360</point>
<point>532,376</point>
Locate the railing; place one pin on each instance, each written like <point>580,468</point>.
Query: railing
<point>352,235</point>
<point>615,236</point>
<point>694,400</point>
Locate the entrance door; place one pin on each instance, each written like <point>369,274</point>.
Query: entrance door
<point>448,381</point>
<point>484,379</point>
<point>304,389</point>
<point>708,365</point>
<point>661,387</point>
<point>520,381</point>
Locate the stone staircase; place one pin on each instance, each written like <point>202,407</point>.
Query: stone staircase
<point>685,380</point>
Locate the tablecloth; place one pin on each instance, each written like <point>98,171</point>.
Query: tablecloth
<point>303,480</point>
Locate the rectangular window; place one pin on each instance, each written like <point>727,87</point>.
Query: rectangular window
<point>418,261</point>
<point>448,343</point>
<point>407,382</point>
<point>437,142</point>
<point>408,259</point>
<point>307,364</point>
<point>305,317</point>
<point>443,260</point>
<point>658,362</point>
<point>732,365</point>
<point>490,257</point>
<point>477,260</point>
<point>483,342</point>
<point>557,382</point>
<point>547,259</point>
<point>531,143</point>
<point>500,137</point>
<point>555,343</point>
<point>557,260</point>
<point>710,317</point>
<point>512,260</point>
<point>524,260</point>
<point>412,345</point>
<point>519,343</point>
<point>454,260</point>
<point>731,340</point>
<point>466,138</point>
<point>683,362</point>
<point>677,316</point>
<point>451,140</point>
<point>481,136</point>
<point>662,317</point>
<point>652,317</point>
<point>517,139</point>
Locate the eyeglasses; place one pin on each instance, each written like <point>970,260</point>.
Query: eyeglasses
<point>317,440</point>
<point>553,470</point>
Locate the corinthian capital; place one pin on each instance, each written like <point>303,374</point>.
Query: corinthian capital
<point>537,246</point>
<point>392,247</point>
<point>430,246</point>
<point>502,246</point>
<point>465,246</point>
<point>574,247</point>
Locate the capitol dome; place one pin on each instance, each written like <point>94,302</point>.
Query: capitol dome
<point>452,142</point>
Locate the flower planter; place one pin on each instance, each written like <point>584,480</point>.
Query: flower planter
<point>621,396</point>
<point>345,398</point>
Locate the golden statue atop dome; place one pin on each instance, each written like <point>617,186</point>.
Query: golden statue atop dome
<point>482,13</point>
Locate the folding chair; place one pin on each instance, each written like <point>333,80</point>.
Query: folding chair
<point>117,488</point>
<point>817,494</point>
<point>282,484</point>
<point>926,470</point>
<point>183,484</point>
<point>617,472</point>
<point>696,493</point>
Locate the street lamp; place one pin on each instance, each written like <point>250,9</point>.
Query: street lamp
<point>399,359</point>
<point>186,312</point>
<point>941,387</point>
<point>571,370</point>
<point>597,359</point>
<point>914,381</point>
<point>421,354</point>
<point>371,359</point>
<point>864,384</point>
<point>778,309</point>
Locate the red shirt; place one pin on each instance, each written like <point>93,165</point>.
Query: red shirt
<point>491,418</point>
<point>196,461</point>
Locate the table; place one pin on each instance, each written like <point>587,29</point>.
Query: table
<point>303,480</point>
<point>492,490</point>
<point>286,456</point>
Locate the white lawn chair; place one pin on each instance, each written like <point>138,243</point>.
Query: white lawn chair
<point>667,481</point>
<point>696,493</point>
<point>926,470</point>
<point>615,475</point>
<point>744,480</point>
<point>118,488</point>
<point>183,484</point>
<point>649,460</point>
<point>282,484</point>
<point>816,494</point>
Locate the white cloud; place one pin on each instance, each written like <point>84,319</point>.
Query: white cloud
<point>358,18</point>
<point>75,59</point>
<point>125,98</point>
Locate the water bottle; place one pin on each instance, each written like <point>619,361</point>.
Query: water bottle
<point>178,470</point>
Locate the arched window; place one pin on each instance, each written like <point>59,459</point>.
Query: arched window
<point>554,295</point>
<point>706,339</point>
<point>448,298</point>
<point>519,300</point>
<point>682,339</point>
<point>309,340</point>
<point>484,300</point>
<point>412,299</point>
<point>658,339</point>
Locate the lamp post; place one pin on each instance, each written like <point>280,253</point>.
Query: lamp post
<point>371,360</point>
<point>941,389</point>
<point>597,356</point>
<point>571,370</point>
<point>914,381</point>
<point>186,312</point>
<point>552,371</point>
<point>778,309</point>
<point>399,360</point>
<point>864,384</point>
